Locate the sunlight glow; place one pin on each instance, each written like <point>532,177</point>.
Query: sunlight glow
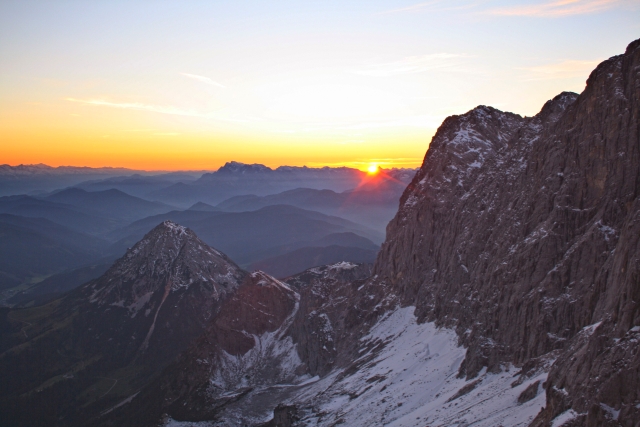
<point>373,169</point>
<point>284,83</point>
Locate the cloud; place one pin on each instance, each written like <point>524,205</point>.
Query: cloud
<point>560,70</point>
<point>137,106</point>
<point>411,65</point>
<point>205,80</point>
<point>558,8</point>
<point>157,109</point>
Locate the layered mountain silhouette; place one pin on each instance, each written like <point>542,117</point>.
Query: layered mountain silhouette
<point>252,236</point>
<point>111,203</point>
<point>33,247</point>
<point>373,202</point>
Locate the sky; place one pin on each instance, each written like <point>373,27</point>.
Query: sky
<point>190,85</point>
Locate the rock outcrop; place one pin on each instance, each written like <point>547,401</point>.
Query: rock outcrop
<point>242,356</point>
<point>162,293</point>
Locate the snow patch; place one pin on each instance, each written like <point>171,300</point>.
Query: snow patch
<point>564,417</point>
<point>344,265</point>
<point>589,330</point>
<point>407,376</point>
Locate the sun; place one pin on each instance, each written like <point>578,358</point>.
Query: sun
<point>373,169</point>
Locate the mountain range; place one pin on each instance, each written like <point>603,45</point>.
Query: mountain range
<point>506,293</point>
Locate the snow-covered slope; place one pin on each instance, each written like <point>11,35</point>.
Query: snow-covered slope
<point>406,375</point>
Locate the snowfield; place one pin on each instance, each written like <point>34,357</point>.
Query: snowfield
<point>413,382</point>
<point>407,376</point>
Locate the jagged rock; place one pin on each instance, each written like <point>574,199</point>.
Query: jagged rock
<point>319,326</point>
<point>529,393</point>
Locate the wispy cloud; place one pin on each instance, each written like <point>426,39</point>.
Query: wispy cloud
<point>205,80</point>
<point>560,70</point>
<point>558,8</point>
<point>166,133</point>
<point>411,65</point>
<point>157,109</point>
<point>138,106</point>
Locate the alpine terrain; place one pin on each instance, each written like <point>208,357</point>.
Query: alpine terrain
<point>506,293</point>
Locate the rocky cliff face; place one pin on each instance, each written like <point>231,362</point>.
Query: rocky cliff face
<point>522,234</point>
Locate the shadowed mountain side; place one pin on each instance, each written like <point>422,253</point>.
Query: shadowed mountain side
<point>80,219</point>
<point>53,287</point>
<point>269,333</point>
<point>250,236</point>
<point>301,259</point>
<point>110,203</point>
<point>32,247</point>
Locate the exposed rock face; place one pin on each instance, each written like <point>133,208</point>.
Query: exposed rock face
<point>522,232</point>
<point>268,340</point>
<point>321,324</point>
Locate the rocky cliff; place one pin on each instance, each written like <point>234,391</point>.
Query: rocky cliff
<point>523,235</point>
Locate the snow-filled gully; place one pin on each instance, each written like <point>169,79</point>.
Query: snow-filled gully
<point>412,381</point>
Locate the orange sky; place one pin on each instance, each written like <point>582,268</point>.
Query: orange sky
<point>191,85</point>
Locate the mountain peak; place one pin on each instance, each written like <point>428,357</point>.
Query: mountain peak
<point>170,258</point>
<point>172,227</point>
<point>243,168</point>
